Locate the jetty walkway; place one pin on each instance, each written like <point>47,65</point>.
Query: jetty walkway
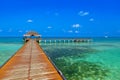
<point>30,63</point>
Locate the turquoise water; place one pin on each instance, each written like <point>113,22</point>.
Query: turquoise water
<point>97,60</point>
<point>8,47</point>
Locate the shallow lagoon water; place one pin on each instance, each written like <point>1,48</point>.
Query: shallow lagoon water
<point>8,47</point>
<point>98,60</point>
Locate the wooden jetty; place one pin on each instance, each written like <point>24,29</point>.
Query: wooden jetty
<point>30,63</point>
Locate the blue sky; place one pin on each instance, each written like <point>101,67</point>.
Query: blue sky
<point>60,18</point>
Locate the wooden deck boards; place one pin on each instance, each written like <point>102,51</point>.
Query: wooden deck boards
<point>29,63</point>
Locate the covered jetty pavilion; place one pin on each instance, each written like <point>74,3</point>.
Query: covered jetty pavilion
<point>32,35</point>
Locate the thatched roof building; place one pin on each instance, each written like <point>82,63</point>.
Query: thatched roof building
<point>32,35</point>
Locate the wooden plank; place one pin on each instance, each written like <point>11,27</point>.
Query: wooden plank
<point>29,63</point>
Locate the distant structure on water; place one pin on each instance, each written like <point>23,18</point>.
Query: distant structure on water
<point>32,35</point>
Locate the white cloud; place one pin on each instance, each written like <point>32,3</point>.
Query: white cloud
<point>76,25</point>
<point>82,13</point>
<point>86,13</point>
<point>91,19</point>
<point>76,31</point>
<point>49,27</point>
<point>70,31</point>
<point>73,25</point>
<point>29,20</point>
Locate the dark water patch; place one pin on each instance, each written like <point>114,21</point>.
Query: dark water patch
<point>9,40</point>
<point>72,51</point>
<point>76,70</point>
<point>81,70</point>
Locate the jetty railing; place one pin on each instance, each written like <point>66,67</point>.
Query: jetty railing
<point>81,40</point>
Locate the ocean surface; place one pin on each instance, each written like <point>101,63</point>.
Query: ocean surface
<point>96,60</point>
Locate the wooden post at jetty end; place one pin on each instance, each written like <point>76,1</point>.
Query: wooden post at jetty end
<point>30,63</point>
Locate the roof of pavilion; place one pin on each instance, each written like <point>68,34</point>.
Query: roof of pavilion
<point>32,33</point>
